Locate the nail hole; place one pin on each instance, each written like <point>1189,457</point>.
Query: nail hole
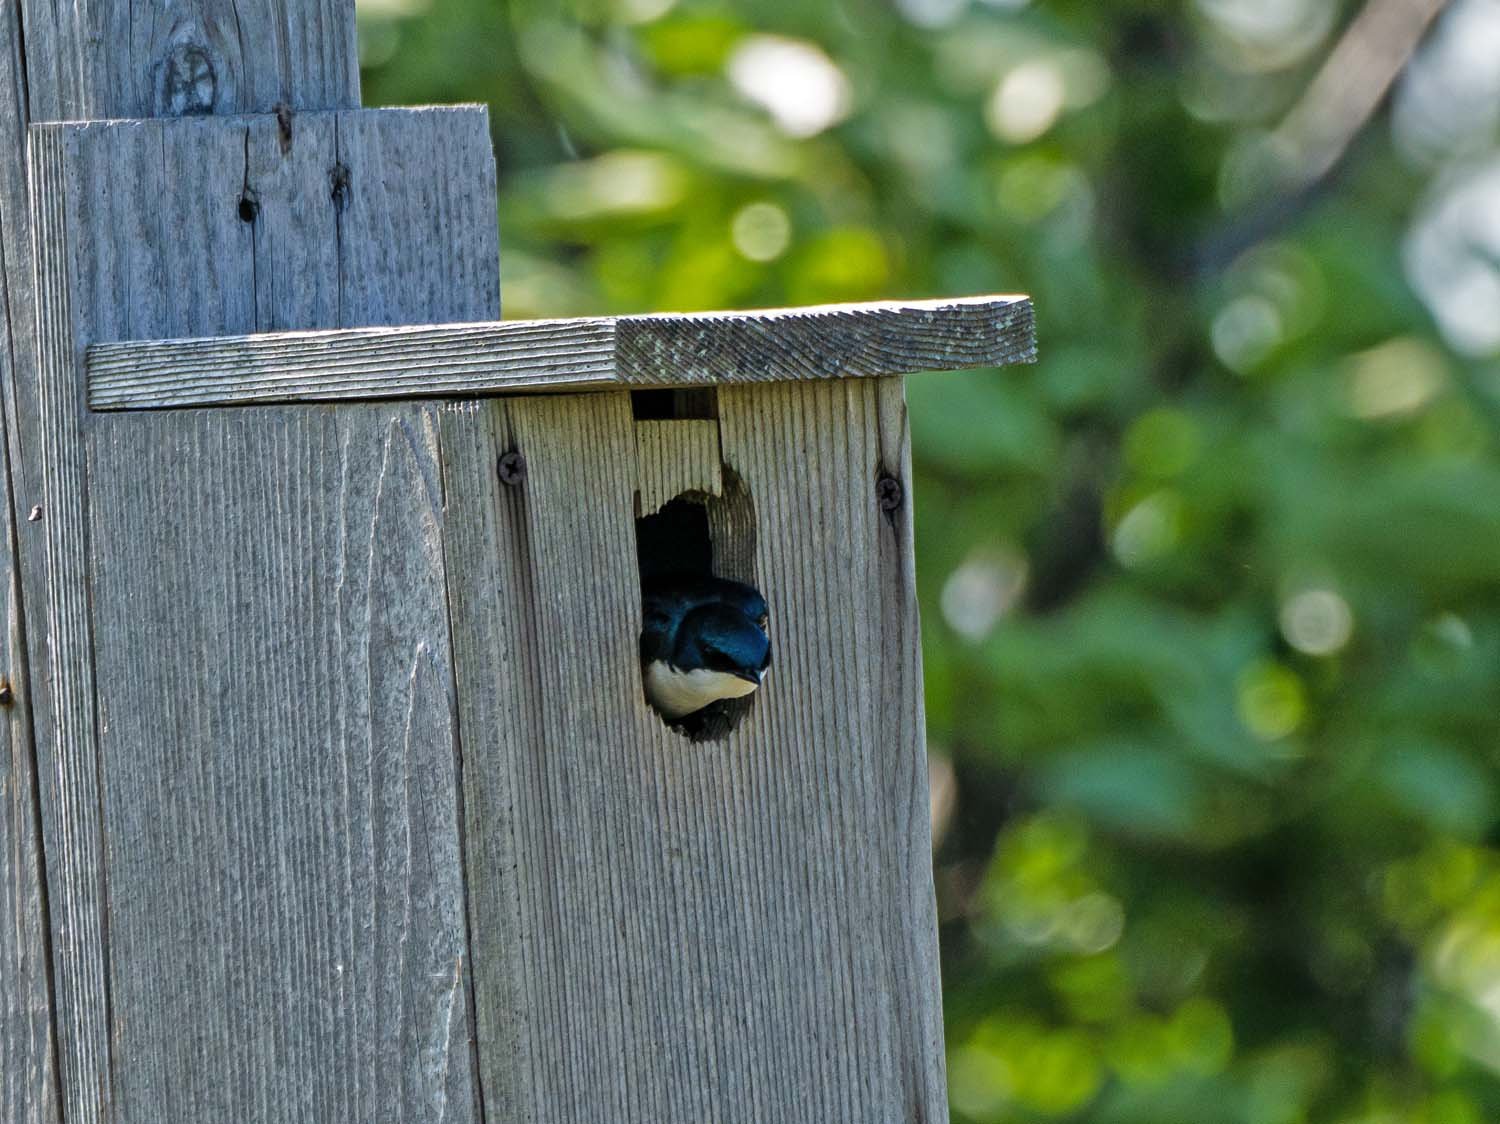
<point>249,206</point>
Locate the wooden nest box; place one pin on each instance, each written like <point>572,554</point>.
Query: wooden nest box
<point>350,806</point>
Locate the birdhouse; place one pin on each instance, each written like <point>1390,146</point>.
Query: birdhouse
<point>354,801</point>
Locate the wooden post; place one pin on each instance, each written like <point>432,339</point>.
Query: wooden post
<point>351,807</point>
<point>303,263</point>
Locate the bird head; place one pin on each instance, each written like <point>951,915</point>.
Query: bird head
<point>703,640</point>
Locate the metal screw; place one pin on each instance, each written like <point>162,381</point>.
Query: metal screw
<point>36,514</point>
<point>512,468</point>
<point>889,492</point>
<point>7,695</point>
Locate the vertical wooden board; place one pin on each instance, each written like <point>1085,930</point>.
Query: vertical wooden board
<point>28,1073</point>
<point>806,453</point>
<point>99,59</point>
<point>694,931</point>
<point>497,659</point>
<point>413,179</point>
<point>906,865</point>
<point>278,573</point>
<point>70,797</point>
<point>676,456</point>
<point>295,260</point>
<point>286,900</point>
<point>28,1077</point>
<point>77,61</point>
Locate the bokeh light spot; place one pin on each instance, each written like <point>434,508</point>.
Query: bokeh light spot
<point>981,591</point>
<point>1246,331</point>
<point>643,11</point>
<point>761,231</point>
<point>1027,101</point>
<point>801,87</point>
<point>1148,530</point>
<point>1316,621</point>
<point>1201,1036</point>
<point>1399,377</point>
<point>1271,700</point>
<point>932,13</point>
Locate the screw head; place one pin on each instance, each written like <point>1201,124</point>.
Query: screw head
<point>512,468</point>
<point>889,492</point>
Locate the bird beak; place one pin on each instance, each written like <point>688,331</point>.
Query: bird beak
<point>751,676</point>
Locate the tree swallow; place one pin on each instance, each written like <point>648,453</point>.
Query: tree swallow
<point>703,642</point>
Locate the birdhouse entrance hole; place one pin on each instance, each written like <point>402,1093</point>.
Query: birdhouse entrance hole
<point>695,517</point>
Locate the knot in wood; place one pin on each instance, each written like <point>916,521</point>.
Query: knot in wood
<point>249,206</point>
<point>889,492</point>
<point>339,181</point>
<point>283,126</point>
<point>189,84</point>
<point>512,468</point>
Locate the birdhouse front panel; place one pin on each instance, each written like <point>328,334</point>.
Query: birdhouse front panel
<point>739,927</point>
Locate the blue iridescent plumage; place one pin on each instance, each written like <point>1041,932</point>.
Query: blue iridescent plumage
<point>704,641</point>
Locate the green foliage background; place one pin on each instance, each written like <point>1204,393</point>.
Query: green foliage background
<point>1210,593</point>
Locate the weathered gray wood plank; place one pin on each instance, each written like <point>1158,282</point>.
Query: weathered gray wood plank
<point>676,456</point>
<point>276,749</point>
<point>70,796</point>
<point>906,864</point>
<point>678,931</point>
<point>834,341</point>
<point>28,1075</point>
<point>28,1063</point>
<point>466,360</point>
<point>498,664</point>
<point>287,909</point>
<point>97,59</point>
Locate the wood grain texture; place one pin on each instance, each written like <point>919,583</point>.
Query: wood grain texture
<point>70,794</point>
<point>676,456</point>
<point>106,60</point>
<point>270,628</point>
<point>906,864</point>
<point>731,931</point>
<point>462,360</point>
<point>279,754</point>
<point>491,593</point>
<point>28,1060</point>
<point>28,1073</point>
<point>99,59</point>
<point>468,360</point>
<point>836,341</point>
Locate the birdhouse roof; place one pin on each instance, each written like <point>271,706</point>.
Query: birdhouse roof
<point>519,356</point>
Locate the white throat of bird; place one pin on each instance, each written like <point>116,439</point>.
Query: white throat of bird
<point>676,693</point>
